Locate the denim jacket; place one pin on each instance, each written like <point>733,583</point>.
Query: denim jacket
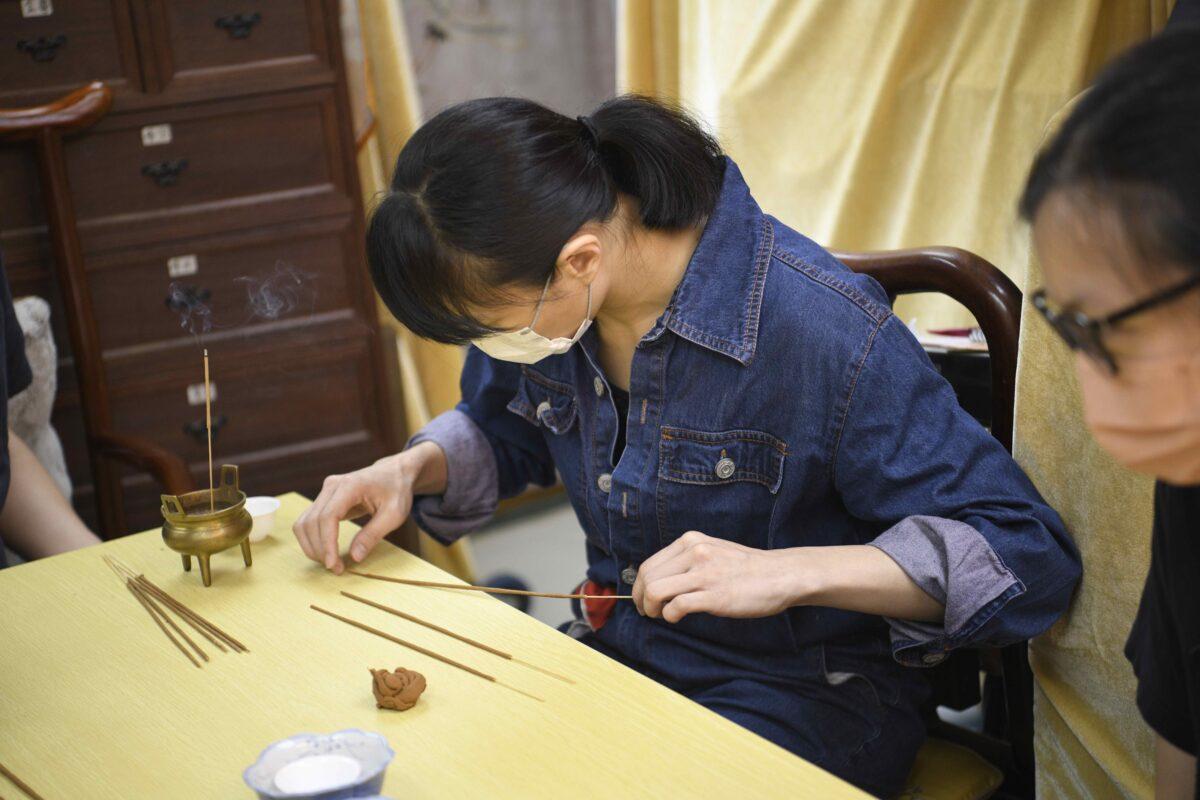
<point>777,402</point>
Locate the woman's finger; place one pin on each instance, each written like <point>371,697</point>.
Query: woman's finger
<point>690,603</point>
<point>305,528</point>
<point>662,591</point>
<point>653,566</point>
<point>386,520</point>
<point>680,563</point>
<point>343,500</point>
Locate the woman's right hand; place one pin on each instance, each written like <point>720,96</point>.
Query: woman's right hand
<point>383,491</point>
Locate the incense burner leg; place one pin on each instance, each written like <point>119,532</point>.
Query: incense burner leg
<point>187,563</point>
<point>205,573</point>
<point>246,551</point>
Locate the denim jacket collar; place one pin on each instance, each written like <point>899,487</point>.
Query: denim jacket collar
<point>717,303</point>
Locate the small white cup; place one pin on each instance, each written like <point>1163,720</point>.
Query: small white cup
<point>262,512</point>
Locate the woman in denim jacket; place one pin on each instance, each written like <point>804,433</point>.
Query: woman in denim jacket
<point>756,447</point>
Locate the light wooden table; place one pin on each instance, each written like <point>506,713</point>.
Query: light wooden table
<point>96,703</point>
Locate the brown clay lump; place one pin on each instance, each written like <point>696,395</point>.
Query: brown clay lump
<point>398,689</point>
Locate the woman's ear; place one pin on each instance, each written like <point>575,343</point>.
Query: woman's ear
<point>580,258</point>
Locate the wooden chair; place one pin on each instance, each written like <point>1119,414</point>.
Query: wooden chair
<point>944,768</point>
<point>46,126</point>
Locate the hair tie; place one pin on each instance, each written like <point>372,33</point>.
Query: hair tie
<point>589,128</point>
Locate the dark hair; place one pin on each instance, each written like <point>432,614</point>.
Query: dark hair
<point>486,194</point>
<point>1133,144</point>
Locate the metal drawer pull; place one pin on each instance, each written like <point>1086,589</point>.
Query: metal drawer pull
<point>41,48</point>
<point>195,428</point>
<point>238,25</point>
<point>165,173</point>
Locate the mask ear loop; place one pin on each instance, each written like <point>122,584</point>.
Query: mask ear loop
<point>537,312</point>
<point>587,315</point>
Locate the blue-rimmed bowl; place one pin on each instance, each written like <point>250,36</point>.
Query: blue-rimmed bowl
<point>370,750</point>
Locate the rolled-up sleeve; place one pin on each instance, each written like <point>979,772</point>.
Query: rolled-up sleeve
<point>472,482</point>
<point>954,510</point>
<point>491,453</point>
<point>954,564</point>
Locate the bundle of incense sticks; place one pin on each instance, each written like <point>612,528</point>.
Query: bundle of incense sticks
<point>156,602</point>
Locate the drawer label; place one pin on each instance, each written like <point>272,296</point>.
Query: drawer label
<point>181,266</point>
<point>36,8</point>
<point>195,393</point>
<point>156,134</point>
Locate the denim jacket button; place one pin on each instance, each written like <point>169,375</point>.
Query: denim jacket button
<point>933,658</point>
<point>599,386</point>
<point>629,575</point>
<point>725,468</point>
<point>605,483</point>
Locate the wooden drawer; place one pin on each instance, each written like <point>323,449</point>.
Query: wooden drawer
<point>219,284</point>
<point>44,56</point>
<point>248,162</point>
<point>226,43</point>
<point>289,397</point>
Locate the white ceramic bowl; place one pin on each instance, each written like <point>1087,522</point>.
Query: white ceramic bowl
<point>333,766</point>
<point>262,512</point>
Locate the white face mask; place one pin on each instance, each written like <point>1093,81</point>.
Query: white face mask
<point>527,346</point>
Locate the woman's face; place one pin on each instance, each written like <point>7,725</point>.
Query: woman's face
<point>579,282</point>
<point>1147,414</point>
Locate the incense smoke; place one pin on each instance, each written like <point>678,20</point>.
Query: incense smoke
<point>195,316</point>
<point>268,297</point>
<point>280,293</point>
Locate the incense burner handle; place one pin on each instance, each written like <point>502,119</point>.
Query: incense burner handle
<point>229,476</point>
<point>172,505</point>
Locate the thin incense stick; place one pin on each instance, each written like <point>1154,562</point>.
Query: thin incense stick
<point>489,589</point>
<point>422,650</point>
<point>167,618</point>
<point>212,499</point>
<point>465,639</point>
<point>146,605</point>
<point>20,784</point>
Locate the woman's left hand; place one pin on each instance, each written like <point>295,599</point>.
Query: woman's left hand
<point>699,573</point>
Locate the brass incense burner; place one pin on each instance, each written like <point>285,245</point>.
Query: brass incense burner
<point>197,526</point>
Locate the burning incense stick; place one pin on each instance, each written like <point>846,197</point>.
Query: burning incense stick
<point>212,498</point>
<point>20,784</point>
<point>488,589</point>
<point>423,651</point>
<point>465,639</point>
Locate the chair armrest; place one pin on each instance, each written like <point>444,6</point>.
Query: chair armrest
<point>79,109</point>
<point>168,469</point>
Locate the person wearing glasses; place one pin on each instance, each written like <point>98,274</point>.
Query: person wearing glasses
<point>1114,200</point>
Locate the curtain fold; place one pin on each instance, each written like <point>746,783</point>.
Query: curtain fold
<point>387,109</point>
<point>874,125</point>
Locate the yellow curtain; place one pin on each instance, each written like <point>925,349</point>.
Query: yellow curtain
<point>387,110</point>
<point>874,125</point>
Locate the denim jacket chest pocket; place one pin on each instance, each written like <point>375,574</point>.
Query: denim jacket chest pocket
<point>722,483</point>
<point>546,403</point>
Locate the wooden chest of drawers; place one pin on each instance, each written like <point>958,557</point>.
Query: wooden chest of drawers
<point>220,192</point>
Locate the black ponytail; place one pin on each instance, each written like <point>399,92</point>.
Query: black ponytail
<point>1132,144</point>
<point>485,195</point>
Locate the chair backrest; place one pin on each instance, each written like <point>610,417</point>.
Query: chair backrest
<point>987,293</point>
<point>995,301</point>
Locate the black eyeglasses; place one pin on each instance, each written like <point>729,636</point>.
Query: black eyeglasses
<point>1086,335</point>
